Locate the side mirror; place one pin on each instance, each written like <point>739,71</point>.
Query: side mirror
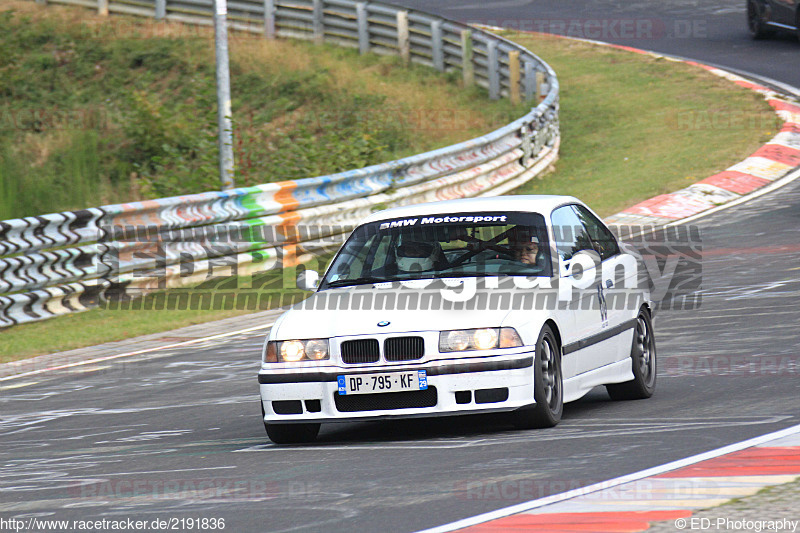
<point>308,280</point>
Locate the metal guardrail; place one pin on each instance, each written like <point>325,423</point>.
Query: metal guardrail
<point>68,262</point>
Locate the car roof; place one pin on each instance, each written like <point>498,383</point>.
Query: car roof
<point>543,204</point>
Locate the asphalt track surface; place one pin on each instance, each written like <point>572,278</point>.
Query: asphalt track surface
<point>177,433</point>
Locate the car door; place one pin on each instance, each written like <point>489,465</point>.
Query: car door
<point>619,306</point>
<point>783,12</point>
<point>572,240</point>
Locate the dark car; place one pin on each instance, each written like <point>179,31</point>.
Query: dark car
<point>766,16</point>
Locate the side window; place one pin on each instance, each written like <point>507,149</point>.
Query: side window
<point>569,233</point>
<point>355,266</point>
<point>378,254</point>
<point>604,241</point>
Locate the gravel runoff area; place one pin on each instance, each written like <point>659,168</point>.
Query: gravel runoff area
<point>779,504</point>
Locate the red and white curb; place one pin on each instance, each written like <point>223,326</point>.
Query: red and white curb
<point>669,492</point>
<point>775,160</point>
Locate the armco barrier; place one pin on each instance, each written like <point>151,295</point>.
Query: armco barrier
<point>67,262</point>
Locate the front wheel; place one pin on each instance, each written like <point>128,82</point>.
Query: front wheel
<point>643,361</point>
<point>548,390</point>
<point>755,21</point>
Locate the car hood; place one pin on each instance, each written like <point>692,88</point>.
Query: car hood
<point>337,313</point>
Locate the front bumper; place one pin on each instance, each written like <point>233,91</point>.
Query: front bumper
<point>494,383</point>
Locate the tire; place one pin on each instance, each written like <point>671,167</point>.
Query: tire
<point>548,387</point>
<point>643,362</point>
<point>755,21</point>
<point>290,433</point>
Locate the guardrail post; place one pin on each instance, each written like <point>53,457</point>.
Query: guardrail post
<point>363,28</point>
<point>102,7</point>
<point>530,81</point>
<point>540,85</point>
<point>269,19</point>
<point>437,45</point>
<point>494,70</point>
<point>319,29</point>
<point>403,43</point>
<point>467,67</point>
<point>161,9</point>
<point>513,76</point>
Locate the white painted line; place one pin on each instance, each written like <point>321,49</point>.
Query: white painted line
<point>167,471</point>
<point>137,352</point>
<point>656,470</point>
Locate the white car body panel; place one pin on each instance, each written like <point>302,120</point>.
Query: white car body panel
<point>595,347</point>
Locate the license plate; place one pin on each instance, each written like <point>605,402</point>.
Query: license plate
<point>388,382</point>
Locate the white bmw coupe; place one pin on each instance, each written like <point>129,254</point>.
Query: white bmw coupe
<point>508,304</point>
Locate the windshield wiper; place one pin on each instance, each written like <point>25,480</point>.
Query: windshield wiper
<point>356,281</point>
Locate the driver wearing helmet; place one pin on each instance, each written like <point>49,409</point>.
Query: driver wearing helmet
<point>526,248</point>
<point>417,256</point>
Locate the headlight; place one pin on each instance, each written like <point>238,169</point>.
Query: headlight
<point>294,351</point>
<point>462,340</point>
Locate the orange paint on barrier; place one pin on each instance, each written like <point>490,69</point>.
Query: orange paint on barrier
<point>779,153</point>
<point>284,196</point>
<point>137,214</point>
<point>289,257</point>
<point>287,227</point>
<point>737,182</point>
<point>602,522</point>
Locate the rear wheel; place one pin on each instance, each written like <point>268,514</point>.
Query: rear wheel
<point>755,21</point>
<point>547,386</point>
<point>290,433</point>
<point>643,361</point>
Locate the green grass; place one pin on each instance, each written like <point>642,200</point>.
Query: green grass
<point>96,327</point>
<point>634,127</point>
<point>614,105</point>
<point>107,325</point>
<point>97,110</point>
<point>215,299</point>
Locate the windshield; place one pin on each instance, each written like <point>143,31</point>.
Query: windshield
<point>442,246</point>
